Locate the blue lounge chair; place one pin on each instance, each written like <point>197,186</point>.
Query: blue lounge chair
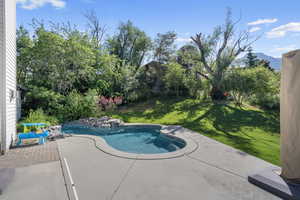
<point>32,135</point>
<point>28,126</point>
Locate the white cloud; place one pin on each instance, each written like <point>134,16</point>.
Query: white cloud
<point>277,51</point>
<point>33,4</point>
<point>283,49</point>
<point>281,31</point>
<point>263,21</point>
<point>182,39</point>
<point>254,29</point>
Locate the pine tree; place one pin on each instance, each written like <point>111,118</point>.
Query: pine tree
<point>252,60</point>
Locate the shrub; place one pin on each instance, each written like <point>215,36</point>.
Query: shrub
<point>240,83</point>
<point>71,107</point>
<point>258,86</point>
<point>174,77</point>
<point>38,116</point>
<point>110,102</point>
<point>80,106</point>
<point>269,96</point>
<point>39,97</point>
<point>268,101</point>
<point>194,84</point>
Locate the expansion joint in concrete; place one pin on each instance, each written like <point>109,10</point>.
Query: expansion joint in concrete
<point>216,167</point>
<point>123,179</point>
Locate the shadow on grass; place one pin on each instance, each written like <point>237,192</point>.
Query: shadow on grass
<point>152,110</point>
<point>228,123</point>
<point>225,118</point>
<point>223,122</point>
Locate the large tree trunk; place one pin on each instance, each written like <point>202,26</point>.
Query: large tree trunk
<point>217,94</point>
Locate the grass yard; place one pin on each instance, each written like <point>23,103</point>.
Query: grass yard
<point>249,129</point>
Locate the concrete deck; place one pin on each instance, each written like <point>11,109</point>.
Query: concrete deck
<point>36,182</point>
<point>32,173</point>
<point>213,171</point>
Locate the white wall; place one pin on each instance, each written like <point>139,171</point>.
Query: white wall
<point>2,73</point>
<point>8,71</point>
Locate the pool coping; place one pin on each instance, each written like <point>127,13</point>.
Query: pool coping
<point>171,130</point>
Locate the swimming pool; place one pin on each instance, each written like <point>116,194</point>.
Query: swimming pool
<point>132,139</point>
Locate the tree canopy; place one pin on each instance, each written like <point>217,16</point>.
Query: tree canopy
<point>130,44</point>
<point>63,68</point>
<point>218,50</point>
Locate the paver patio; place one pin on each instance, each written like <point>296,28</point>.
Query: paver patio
<point>32,173</point>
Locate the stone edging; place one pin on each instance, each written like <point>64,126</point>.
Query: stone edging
<point>171,131</point>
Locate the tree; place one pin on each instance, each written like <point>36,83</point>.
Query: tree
<point>269,83</point>
<point>64,29</point>
<point>265,64</point>
<point>57,63</point>
<point>251,60</point>
<point>218,51</point>
<point>174,77</point>
<point>40,97</point>
<point>188,56</point>
<point>108,72</point>
<point>196,86</point>
<point>79,105</point>
<point>24,45</point>
<point>95,28</point>
<point>246,83</point>
<point>164,46</point>
<point>151,79</point>
<point>130,44</point>
<point>79,63</point>
<point>240,83</point>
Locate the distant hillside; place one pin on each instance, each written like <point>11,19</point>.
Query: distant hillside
<point>274,62</point>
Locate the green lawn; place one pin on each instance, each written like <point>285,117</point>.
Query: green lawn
<point>249,129</point>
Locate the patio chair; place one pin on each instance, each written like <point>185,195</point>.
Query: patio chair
<point>32,135</point>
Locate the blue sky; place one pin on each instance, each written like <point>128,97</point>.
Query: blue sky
<point>277,21</point>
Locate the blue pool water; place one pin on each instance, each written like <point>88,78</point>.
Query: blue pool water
<point>132,139</point>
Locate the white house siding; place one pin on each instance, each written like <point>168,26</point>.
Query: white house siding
<point>18,105</point>
<point>2,73</point>
<point>8,72</point>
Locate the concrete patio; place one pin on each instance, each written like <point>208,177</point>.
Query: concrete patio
<point>213,171</point>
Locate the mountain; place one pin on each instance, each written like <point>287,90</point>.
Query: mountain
<point>275,63</point>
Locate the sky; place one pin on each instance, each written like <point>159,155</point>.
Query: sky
<point>277,22</point>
